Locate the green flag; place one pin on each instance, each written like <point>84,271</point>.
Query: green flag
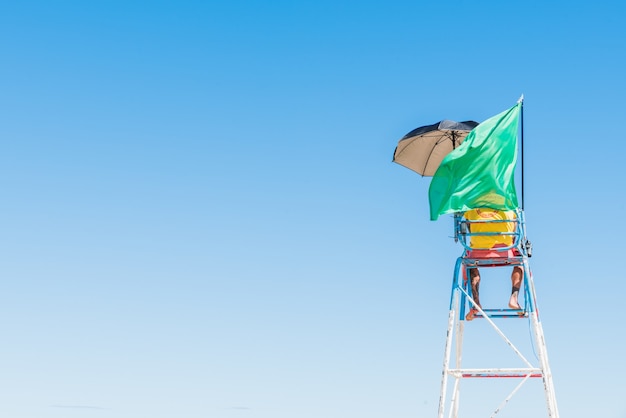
<point>480,172</point>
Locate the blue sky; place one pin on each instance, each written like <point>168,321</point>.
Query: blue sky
<point>201,218</point>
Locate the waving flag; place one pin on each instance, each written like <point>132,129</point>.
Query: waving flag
<point>480,172</point>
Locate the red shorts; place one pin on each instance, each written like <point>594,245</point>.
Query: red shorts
<point>493,253</point>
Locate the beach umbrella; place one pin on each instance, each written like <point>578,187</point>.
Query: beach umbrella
<point>422,149</point>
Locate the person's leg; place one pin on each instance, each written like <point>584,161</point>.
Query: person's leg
<point>474,282</point>
<point>516,282</point>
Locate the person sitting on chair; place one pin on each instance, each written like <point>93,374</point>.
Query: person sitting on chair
<point>489,243</point>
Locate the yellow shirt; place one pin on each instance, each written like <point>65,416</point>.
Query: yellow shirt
<point>486,214</point>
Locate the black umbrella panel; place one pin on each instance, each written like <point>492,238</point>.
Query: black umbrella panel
<point>423,149</point>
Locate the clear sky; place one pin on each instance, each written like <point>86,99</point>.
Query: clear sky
<point>200,216</point>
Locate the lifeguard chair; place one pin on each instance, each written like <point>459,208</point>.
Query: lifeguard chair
<point>461,300</point>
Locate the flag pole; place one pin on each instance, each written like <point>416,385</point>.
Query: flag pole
<point>521,101</point>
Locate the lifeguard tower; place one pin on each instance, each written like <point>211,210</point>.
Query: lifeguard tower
<point>529,366</point>
<point>473,166</point>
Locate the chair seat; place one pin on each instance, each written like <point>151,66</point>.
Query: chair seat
<point>492,253</point>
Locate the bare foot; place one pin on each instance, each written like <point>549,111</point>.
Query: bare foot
<point>513,304</point>
<point>471,314</point>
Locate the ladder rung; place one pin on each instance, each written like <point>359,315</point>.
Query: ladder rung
<point>506,376</point>
<point>497,373</point>
<point>503,310</point>
<point>518,315</point>
<point>503,313</point>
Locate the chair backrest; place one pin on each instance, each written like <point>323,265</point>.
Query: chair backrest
<point>502,228</point>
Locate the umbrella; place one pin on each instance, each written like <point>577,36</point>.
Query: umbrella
<point>423,149</point>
